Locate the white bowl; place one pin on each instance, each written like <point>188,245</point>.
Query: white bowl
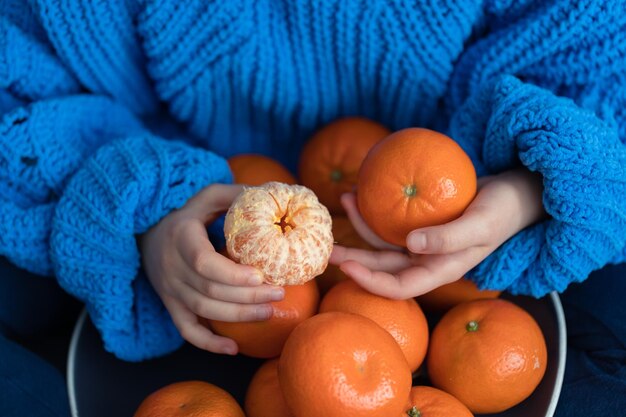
<point>101,385</point>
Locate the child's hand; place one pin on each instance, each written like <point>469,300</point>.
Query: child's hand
<point>193,280</point>
<point>437,255</point>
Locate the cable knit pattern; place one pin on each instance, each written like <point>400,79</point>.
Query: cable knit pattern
<point>97,40</point>
<point>123,190</point>
<point>539,83</point>
<point>41,146</point>
<point>583,164</point>
<point>29,68</point>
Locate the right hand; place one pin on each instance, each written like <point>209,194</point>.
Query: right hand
<point>194,281</point>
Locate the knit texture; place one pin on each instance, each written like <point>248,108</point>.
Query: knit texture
<point>94,94</point>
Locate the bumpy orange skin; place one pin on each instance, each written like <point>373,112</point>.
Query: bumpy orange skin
<point>431,402</point>
<point>264,397</point>
<point>254,169</point>
<point>411,179</point>
<point>282,230</point>
<point>443,298</point>
<point>403,319</point>
<point>343,365</point>
<point>265,339</point>
<point>492,366</point>
<point>330,161</point>
<point>189,399</point>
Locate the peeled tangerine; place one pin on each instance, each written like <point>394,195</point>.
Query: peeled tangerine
<point>283,230</point>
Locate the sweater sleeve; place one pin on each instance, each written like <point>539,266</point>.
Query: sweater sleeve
<point>80,177</point>
<point>542,85</point>
<point>583,164</point>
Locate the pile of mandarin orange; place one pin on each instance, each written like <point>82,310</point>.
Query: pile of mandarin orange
<point>334,349</point>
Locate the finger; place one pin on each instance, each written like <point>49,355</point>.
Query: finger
<point>429,273</point>
<point>212,200</point>
<point>474,228</point>
<point>195,333</point>
<point>348,200</point>
<point>200,256</point>
<point>234,294</point>
<point>220,310</point>
<point>383,260</point>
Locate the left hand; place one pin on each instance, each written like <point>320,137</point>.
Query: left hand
<point>505,204</point>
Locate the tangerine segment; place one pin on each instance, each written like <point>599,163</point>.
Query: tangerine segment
<point>283,230</point>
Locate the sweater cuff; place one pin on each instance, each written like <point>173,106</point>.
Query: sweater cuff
<point>123,190</point>
<point>583,164</point>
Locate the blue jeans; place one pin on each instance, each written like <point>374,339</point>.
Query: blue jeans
<point>595,371</point>
<point>34,313</point>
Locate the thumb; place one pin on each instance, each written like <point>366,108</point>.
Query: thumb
<point>212,200</point>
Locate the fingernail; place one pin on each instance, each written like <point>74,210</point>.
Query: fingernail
<point>229,350</point>
<point>416,242</point>
<point>263,313</point>
<point>277,294</point>
<point>256,278</point>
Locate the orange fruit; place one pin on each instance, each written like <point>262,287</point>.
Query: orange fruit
<point>341,364</point>
<point>329,163</point>
<point>414,178</point>
<point>490,354</point>
<point>264,397</point>
<point>345,235</point>
<point>189,399</point>
<point>265,339</point>
<point>403,319</point>
<point>254,169</point>
<point>431,402</point>
<point>282,230</point>
<point>443,298</point>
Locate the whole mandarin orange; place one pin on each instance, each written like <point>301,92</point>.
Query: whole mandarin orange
<point>189,399</point>
<point>403,319</point>
<point>414,178</point>
<point>265,339</point>
<point>254,169</point>
<point>330,161</point>
<point>431,402</point>
<point>264,397</point>
<point>443,298</point>
<point>342,364</point>
<point>490,354</point>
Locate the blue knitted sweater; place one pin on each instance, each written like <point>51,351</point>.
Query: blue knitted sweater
<point>114,113</point>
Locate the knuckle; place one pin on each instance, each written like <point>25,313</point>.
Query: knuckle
<point>186,332</point>
<point>176,228</point>
<point>211,290</point>
<point>199,259</point>
<point>245,313</point>
<point>210,346</point>
<point>257,296</point>
<point>200,308</point>
<point>443,241</point>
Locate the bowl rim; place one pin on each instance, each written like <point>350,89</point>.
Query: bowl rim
<point>556,392</point>
<point>560,370</point>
